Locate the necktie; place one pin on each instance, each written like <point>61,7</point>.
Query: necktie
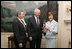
<point>38,21</point>
<point>23,23</point>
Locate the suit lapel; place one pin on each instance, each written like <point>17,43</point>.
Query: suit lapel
<point>34,21</point>
<point>19,22</point>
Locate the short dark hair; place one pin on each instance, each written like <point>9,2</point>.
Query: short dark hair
<point>19,12</point>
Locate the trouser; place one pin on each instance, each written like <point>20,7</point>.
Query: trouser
<point>35,42</point>
<point>17,45</point>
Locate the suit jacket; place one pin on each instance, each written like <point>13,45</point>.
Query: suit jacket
<point>19,31</point>
<point>53,29</point>
<point>33,30</point>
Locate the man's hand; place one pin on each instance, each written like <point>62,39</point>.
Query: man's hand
<point>30,38</point>
<point>26,34</point>
<point>20,45</point>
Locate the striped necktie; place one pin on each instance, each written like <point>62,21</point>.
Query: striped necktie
<point>23,23</point>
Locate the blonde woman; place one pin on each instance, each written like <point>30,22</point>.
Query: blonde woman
<point>51,31</point>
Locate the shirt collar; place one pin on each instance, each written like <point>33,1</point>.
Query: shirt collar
<point>20,19</point>
<point>35,17</point>
<point>52,21</point>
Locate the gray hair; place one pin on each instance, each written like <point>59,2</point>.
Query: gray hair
<point>36,10</point>
<point>19,12</point>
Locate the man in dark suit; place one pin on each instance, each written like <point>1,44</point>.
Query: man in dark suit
<point>34,29</point>
<point>19,30</point>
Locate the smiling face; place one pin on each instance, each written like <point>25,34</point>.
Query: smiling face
<point>37,13</point>
<point>50,16</point>
<point>21,14</point>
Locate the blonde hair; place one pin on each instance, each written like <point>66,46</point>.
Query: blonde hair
<point>50,13</point>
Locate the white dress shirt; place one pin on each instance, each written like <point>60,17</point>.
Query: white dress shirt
<point>22,20</point>
<point>36,19</point>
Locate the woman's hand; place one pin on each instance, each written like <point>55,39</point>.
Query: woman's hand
<point>46,28</point>
<point>43,28</point>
